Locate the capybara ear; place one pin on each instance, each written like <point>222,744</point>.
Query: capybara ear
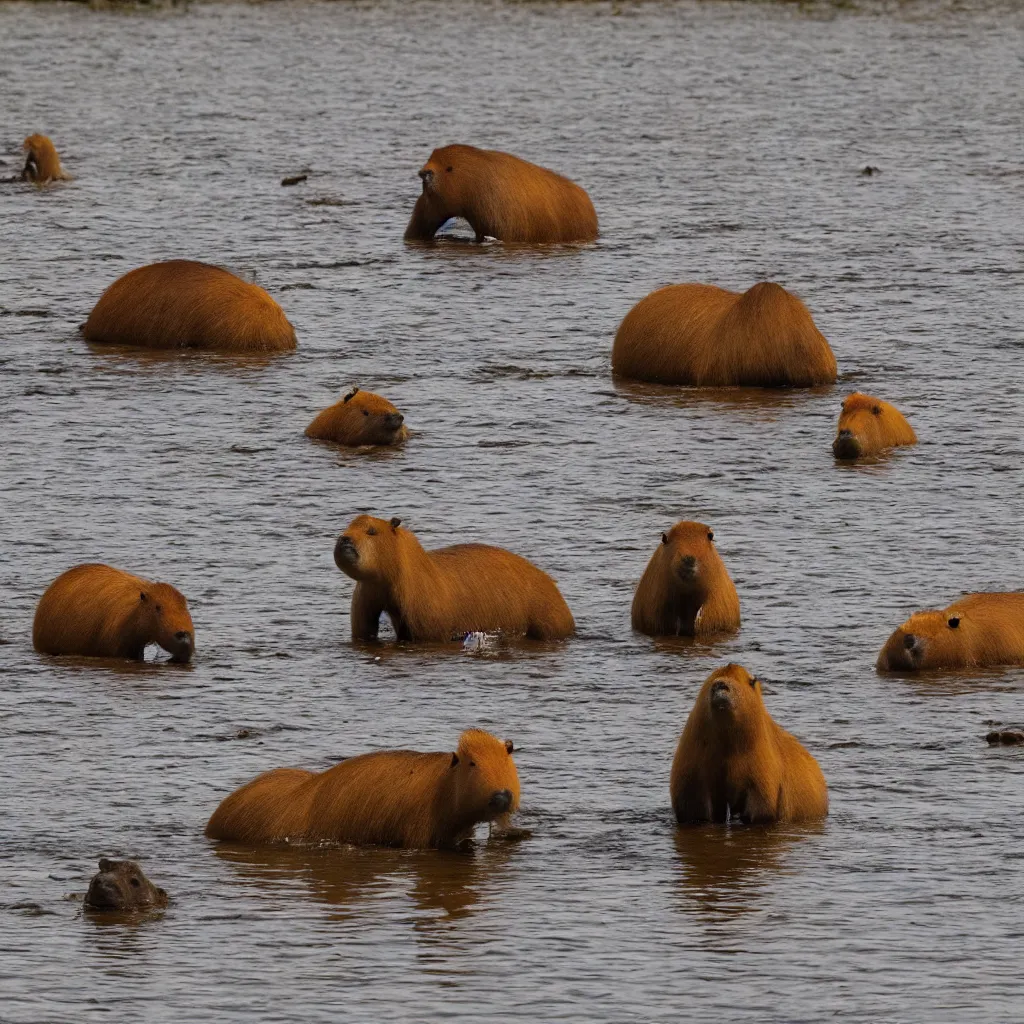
<point>106,865</point>
<point>509,746</point>
<point>877,410</point>
<point>455,760</point>
<point>352,394</point>
<point>954,622</point>
<point>395,522</point>
<point>711,534</point>
<point>753,682</point>
<point>664,538</point>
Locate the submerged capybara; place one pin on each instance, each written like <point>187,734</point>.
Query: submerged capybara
<point>445,593</point>
<point>101,612</point>
<point>868,426</point>
<point>707,336</point>
<point>42,164</point>
<point>975,631</point>
<point>685,589</point>
<point>360,418</point>
<point>121,885</point>
<point>388,798</point>
<point>502,197</point>
<point>185,304</point>
<point>734,761</point>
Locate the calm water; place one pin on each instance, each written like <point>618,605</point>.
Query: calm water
<point>721,142</point>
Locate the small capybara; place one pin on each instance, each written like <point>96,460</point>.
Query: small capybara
<point>388,798</point>
<point>975,631</point>
<point>42,164</point>
<point>502,197</point>
<point>121,885</point>
<point>868,426</point>
<point>185,304</point>
<point>360,418</point>
<point>703,335</point>
<point>445,593</point>
<point>734,761</point>
<point>101,612</point>
<point>685,589</point>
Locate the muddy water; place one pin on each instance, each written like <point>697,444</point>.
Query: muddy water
<point>720,142</point>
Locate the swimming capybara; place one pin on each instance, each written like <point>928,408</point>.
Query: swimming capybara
<point>121,885</point>
<point>388,798</point>
<point>734,761</point>
<point>703,335</point>
<point>502,197</point>
<point>975,631</point>
<point>360,418</point>
<point>868,426</point>
<point>101,612</point>
<point>42,164</point>
<point>445,593</point>
<point>685,589</point>
<point>184,304</point>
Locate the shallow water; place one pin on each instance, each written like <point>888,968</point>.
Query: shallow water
<point>721,142</point>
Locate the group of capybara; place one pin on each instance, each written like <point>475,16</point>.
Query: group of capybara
<point>733,761</point>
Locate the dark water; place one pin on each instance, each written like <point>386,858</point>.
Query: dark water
<point>721,142</point>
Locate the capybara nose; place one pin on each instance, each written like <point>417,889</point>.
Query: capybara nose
<point>186,646</point>
<point>910,641</point>
<point>184,636</point>
<point>846,446</point>
<point>501,800</point>
<point>427,175</point>
<point>720,696</point>
<point>394,420</point>
<point>687,566</point>
<point>345,552</point>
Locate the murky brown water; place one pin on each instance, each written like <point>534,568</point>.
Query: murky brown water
<point>720,142</point>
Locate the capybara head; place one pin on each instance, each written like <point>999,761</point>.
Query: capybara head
<point>442,177</point>
<point>370,419</point>
<point>121,885</point>
<point>485,781</point>
<point>868,425</point>
<point>367,549</point>
<point>730,697</point>
<point>41,161</point>
<point>690,552</point>
<point>163,617</point>
<point>927,639</point>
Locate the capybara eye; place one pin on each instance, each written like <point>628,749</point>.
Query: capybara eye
<point>366,412</point>
<point>371,531</point>
<point>142,596</point>
<point>135,882</point>
<point>877,410</point>
<point>472,764</point>
<point>449,170</point>
<point>954,622</point>
<point>711,534</point>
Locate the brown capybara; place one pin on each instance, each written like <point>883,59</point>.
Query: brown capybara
<point>101,612</point>
<point>685,589</point>
<point>868,426</point>
<point>184,304</point>
<point>360,418</point>
<point>388,798</point>
<point>734,761</point>
<point>502,197</point>
<point>121,885</point>
<point>445,593</point>
<point>975,631</point>
<point>703,335</point>
<point>42,164</point>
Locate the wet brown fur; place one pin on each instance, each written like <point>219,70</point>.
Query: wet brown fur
<point>122,885</point>
<point>502,197</point>
<point>703,335</point>
<point>185,304</point>
<point>738,760</point>
<point>868,426</point>
<point>388,798</point>
<point>101,612</point>
<point>670,601</point>
<point>360,418</point>
<point>42,164</point>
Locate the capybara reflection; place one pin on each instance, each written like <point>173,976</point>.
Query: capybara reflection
<point>101,612</point>
<point>975,631</point>
<point>703,335</point>
<point>868,426</point>
<point>360,418</point>
<point>388,798</point>
<point>734,761</point>
<point>121,885</point>
<point>185,304</point>
<point>444,593</point>
<point>502,197</point>
<point>42,164</point>
<point>685,589</point>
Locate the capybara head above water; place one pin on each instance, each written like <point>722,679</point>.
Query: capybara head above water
<point>868,426</point>
<point>121,885</point>
<point>98,611</point>
<point>685,589</point>
<point>185,304</point>
<point>978,630</point>
<point>502,197</point>
<point>42,164</point>
<point>360,418</point>
<point>707,336</point>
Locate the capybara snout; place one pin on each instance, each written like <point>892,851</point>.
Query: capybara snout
<point>345,553</point>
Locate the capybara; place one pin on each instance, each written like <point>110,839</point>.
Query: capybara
<point>685,589</point>
<point>734,761</point>
<point>101,612</point>
<point>42,164</point>
<point>703,335</point>
<point>388,798</point>
<point>975,631</point>
<point>444,593</point>
<point>502,197</point>
<point>184,304</point>
<point>868,426</point>
<point>360,418</point>
<point>121,885</point>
